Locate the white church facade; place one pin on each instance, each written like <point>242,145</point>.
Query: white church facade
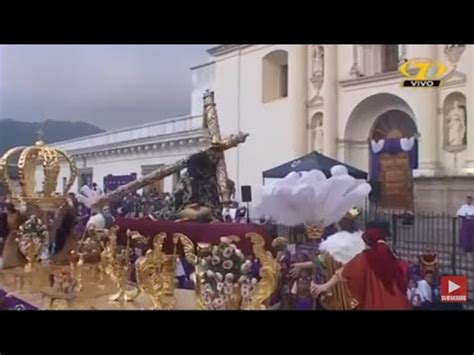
<point>341,100</point>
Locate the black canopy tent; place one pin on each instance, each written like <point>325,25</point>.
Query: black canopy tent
<point>309,162</point>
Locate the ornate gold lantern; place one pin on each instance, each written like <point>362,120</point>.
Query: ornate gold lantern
<point>29,158</point>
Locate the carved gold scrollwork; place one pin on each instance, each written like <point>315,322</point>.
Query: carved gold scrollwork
<point>72,171</point>
<point>156,272</point>
<point>4,177</point>
<point>149,279</point>
<point>117,267</point>
<point>269,271</point>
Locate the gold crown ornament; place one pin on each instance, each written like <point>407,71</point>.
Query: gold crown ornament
<point>353,213</point>
<point>29,158</point>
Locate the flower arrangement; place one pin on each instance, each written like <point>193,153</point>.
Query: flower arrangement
<point>227,281</point>
<point>34,227</point>
<point>33,235</point>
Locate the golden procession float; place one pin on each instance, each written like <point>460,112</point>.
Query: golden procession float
<point>113,262</point>
<point>99,267</point>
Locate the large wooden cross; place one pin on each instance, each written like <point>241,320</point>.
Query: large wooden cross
<point>212,123</point>
<point>218,146</point>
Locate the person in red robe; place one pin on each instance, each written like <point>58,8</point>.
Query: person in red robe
<point>376,278</point>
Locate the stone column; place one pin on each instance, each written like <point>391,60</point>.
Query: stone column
<point>329,94</point>
<point>297,93</point>
<point>469,163</point>
<point>426,118</point>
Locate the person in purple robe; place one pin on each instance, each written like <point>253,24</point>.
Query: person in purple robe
<point>466,233</point>
<point>82,216</point>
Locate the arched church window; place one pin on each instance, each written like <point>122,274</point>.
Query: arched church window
<point>274,76</point>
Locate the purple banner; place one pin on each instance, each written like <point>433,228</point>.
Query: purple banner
<point>466,235</point>
<point>111,182</point>
<point>391,146</point>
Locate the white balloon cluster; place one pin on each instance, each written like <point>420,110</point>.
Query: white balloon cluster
<point>311,198</point>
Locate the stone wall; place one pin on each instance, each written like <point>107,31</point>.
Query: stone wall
<point>442,194</point>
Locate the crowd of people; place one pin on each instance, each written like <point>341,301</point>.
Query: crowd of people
<point>373,275</point>
<point>355,268</point>
<point>150,203</point>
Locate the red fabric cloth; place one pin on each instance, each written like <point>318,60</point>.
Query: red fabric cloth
<point>369,290</point>
<point>382,261</point>
<point>197,232</point>
<point>373,235</point>
<point>404,266</point>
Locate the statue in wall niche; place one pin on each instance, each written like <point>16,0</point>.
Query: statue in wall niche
<point>319,135</point>
<point>456,125</point>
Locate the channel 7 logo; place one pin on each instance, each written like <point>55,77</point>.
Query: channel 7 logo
<point>422,72</point>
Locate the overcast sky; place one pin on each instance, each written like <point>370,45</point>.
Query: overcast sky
<point>109,86</point>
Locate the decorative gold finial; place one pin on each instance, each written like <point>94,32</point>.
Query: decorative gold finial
<point>40,140</point>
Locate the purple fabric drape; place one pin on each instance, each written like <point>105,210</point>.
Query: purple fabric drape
<point>111,182</point>
<point>11,303</point>
<point>391,146</point>
<point>466,235</point>
<point>304,304</point>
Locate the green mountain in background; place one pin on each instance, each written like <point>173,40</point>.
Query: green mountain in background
<point>17,133</point>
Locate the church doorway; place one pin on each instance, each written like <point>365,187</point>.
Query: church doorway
<point>393,156</point>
